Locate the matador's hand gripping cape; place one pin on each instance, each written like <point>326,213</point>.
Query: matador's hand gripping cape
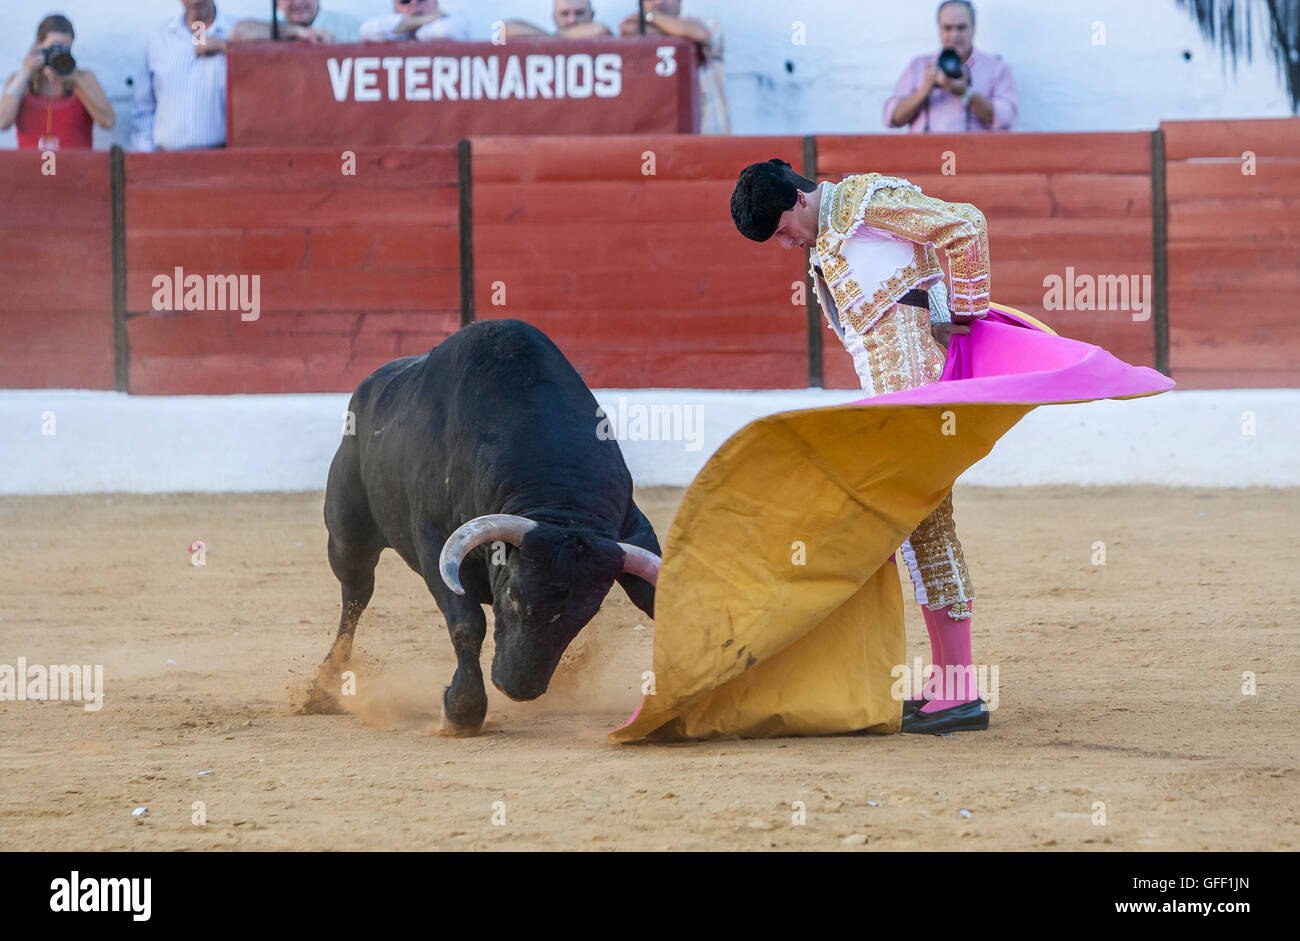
<point>779,610</point>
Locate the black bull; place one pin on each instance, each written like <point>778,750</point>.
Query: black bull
<point>480,463</point>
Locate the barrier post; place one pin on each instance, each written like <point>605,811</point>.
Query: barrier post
<point>464,178</point>
<point>815,376</point>
<point>117,199</point>
<point>1159,246</point>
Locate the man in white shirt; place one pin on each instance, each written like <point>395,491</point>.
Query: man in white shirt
<point>415,19</point>
<point>180,96</point>
<point>302,20</point>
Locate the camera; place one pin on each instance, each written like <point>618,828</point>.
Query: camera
<point>950,63</point>
<point>59,58</point>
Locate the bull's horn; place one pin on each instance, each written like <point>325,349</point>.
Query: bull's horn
<point>640,562</point>
<point>481,529</point>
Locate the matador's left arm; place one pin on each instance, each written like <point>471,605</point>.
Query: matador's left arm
<point>957,229</point>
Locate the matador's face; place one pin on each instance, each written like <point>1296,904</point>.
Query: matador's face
<point>798,225</point>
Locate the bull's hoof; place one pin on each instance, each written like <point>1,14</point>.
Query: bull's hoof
<point>320,700</point>
<point>322,703</point>
<point>450,728</point>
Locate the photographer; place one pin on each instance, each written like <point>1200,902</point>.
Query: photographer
<point>54,103</point>
<point>957,89</point>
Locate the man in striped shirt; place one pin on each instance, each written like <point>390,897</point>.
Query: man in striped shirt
<point>180,97</point>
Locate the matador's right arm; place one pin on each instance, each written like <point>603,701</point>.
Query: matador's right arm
<point>957,229</point>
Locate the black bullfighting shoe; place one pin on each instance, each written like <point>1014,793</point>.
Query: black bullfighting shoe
<point>913,706</point>
<point>970,716</point>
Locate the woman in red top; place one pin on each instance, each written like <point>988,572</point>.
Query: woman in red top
<point>53,111</point>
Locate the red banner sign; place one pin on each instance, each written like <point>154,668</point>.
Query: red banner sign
<point>413,93</point>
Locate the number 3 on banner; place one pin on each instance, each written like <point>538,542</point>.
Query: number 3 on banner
<point>667,64</point>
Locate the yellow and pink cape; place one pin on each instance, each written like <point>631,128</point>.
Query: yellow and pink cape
<point>779,610</point>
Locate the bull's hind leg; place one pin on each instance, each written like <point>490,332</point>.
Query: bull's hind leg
<point>355,570</point>
<point>354,547</point>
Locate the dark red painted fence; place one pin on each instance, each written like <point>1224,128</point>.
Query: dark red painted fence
<point>354,268</point>
<point>622,249</point>
<point>56,271</point>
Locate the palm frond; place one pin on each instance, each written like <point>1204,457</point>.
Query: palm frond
<point>1230,23</point>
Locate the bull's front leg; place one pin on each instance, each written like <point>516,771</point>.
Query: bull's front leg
<point>464,702</point>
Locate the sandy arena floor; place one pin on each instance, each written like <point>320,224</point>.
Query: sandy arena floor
<point>1119,683</point>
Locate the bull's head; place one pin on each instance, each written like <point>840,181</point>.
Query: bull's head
<point>544,594</point>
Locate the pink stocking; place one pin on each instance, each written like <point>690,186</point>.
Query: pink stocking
<point>928,690</point>
<point>952,640</point>
<point>923,689</point>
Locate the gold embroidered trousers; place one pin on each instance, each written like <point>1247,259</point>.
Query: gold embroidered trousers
<point>901,354</point>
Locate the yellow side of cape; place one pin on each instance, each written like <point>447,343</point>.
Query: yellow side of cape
<point>778,611</point>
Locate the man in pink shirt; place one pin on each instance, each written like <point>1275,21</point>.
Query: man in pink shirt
<point>927,99</point>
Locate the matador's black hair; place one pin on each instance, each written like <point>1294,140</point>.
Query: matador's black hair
<point>763,192</point>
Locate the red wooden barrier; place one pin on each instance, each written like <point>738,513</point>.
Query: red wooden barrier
<point>1233,195</point>
<point>641,278</point>
<point>353,270</point>
<point>1056,204</point>
<point>56,268</point>
<point>414,93</point>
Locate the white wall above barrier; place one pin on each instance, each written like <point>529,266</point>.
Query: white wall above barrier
<point>823,66</point>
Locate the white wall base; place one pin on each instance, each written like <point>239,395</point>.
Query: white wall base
<point>107,441</point>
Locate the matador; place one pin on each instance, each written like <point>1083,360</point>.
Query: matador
<point>874,244</point>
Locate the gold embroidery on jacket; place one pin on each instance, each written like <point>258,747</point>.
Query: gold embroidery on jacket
<point>835,268</point>
<point>898,207</point>
<point>959,228</point>
<point>848,196</point>
<point>851,206</point>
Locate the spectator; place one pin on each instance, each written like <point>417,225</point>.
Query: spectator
<point>415,19</point>
<point>54,110</point>
<point>302,20</point>
<point>574,19</point>
<point>180,98</point>
<point>664,17</point>
<point>929,100</point>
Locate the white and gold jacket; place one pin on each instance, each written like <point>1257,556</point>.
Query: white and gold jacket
<point>878,238</point>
